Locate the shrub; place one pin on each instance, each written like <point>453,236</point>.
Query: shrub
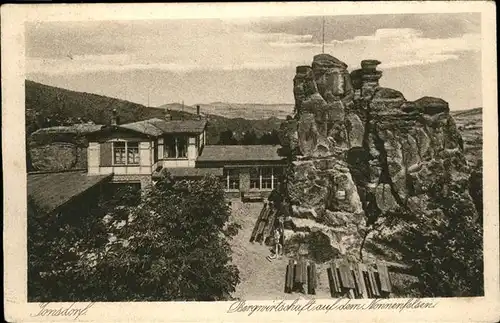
<point>172,247</point>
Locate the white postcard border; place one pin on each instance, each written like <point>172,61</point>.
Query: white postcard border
<point>14,170</point>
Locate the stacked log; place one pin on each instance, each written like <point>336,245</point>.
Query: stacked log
<point>289,276</point>
<point>358,280</point>
<point>311,281</point>
<point>256,227</point>
<point>383,277</point>
<point>268,229</point>
<point>301,277</point>
<point>260,224</point>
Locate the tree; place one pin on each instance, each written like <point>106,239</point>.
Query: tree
<point>476,187</point>
<point>249,138</point>
<point>227,138</point>
<point>59,251</point>
<point>172,246</point>
<point>443,247</point>
<point>270,138</point>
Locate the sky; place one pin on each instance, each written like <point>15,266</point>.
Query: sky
<point>253,60</point>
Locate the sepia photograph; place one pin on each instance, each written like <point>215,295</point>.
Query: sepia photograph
<point>262,158</point>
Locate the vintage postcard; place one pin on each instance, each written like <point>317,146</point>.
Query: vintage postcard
<point>252,162</point>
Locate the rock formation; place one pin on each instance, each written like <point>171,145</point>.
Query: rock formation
<point>359,151</point>
<point>59,148</point>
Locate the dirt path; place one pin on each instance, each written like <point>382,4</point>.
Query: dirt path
<point>261,279</point>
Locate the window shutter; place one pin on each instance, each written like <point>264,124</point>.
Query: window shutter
<point>106,154</point>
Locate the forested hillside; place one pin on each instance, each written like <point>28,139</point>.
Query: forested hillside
<point>48,106</point>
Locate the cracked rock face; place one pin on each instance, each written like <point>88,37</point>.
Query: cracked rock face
<point>360,151</point>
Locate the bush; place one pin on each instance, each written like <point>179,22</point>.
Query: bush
<point>443,248</point>
<point>173,246</point>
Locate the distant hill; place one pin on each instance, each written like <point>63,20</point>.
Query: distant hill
<point>249,111</point>
<point>48,106</point>
<point>470,126</point>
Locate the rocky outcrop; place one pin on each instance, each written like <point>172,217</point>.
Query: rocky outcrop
<point>323,93</point>
<point>59,148</point>
<point>360,152</point>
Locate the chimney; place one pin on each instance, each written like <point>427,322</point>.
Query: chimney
<point>114,118</point>
<point>198,115</point>
<point>168,116</point>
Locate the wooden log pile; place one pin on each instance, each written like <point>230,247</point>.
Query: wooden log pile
<point>300,277</point>
<point>263,229</point>
<point>359,280</point>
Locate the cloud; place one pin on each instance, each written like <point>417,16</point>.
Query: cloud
<point>435,25</point>
<point>210,45</point>
<point>277,37</point>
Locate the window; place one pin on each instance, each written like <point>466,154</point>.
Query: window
<point>170,150</point>
<point>126,153</point>
<point>132,153</point>
<point>267,178</point>
<point>264,178</point>
<point>176,147</point>
<point>119,153</point>
<point>182,147</point>
<point>232,179</point>
<point>254,178</point>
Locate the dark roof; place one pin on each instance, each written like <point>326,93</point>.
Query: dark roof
<point>157,127</point>
<point>240,153</point>
<point>146,127</point>
<point>190,172</point>
<point>81,128</point>
<point>180,126</point>
<point>51,190</point>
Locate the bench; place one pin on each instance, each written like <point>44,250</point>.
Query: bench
<point>251,197</point>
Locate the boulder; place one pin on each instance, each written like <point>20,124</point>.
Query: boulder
<point>308,134</point>
<point>56,156</point>
<point>430,105</point>
<point>410,107</point>
<point>323,62</point>
<point>387,99</point>
<point>343,195</point>
<point>385,199</point>
<point>303,212</point>
<point>370,65</point>
<point>355,130</point>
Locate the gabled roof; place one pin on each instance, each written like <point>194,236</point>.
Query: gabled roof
<point>51,190</point>
<point>240,153</point>
<point>146,127</point>
<point>179,126</point>
<point>156,127</point>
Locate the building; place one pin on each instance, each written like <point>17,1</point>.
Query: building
<point>61,193</point>
<point>140,152</point>
<point>246,169</point>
